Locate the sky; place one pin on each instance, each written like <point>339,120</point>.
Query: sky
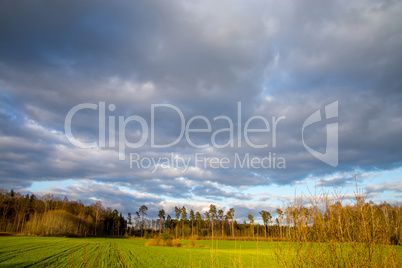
<point>242,104</point>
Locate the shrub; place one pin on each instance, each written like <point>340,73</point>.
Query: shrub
<point>193,241</point>
<point>176,243</point>
<point>147,235</point>
<point>166,236</point>
<point>151,243</point>
<point>165,240</point>
<point>167,243</point>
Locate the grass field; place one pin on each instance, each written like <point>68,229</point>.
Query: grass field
<point>110,252</point>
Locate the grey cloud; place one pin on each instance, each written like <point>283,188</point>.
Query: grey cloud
<point>212,192</point>
<point>276,58</point>
<point>385,186</point>
<point>110,194</point>
<point>335,181</point>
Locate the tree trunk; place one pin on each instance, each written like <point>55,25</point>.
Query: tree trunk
<point>222,228</point>
<point>160,226</point>
<point>142,225</point>
<point>212,228</point>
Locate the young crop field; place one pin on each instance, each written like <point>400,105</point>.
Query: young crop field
<point>111,252</point>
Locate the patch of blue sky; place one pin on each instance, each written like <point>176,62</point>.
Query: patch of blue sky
<point>46,185</point>
<point>8,106</point>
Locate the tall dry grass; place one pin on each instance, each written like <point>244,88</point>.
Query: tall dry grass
<point>329,230</point>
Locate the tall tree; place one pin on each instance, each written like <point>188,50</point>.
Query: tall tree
<point>183,220</point>
<point>161,216</point>
<point>115,222</point>
<point>207,219</point>
<point>251,219</point>
<point>266,217</point>
<point>129,218</point>
<point>212,212</point>
<point>168,222</point>
<point>230,215</point>
<point>143,210</point>
<point>221,214</point>
<point>130,223</point>
<point>198,217</point>
<point>280,217</point>
<point>177,212</point>
<point>192,218</point>
<point>137,219</point>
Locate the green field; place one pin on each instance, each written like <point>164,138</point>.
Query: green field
<point>111,252</point>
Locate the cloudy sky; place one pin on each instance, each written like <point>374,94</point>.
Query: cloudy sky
<point>188,65</point>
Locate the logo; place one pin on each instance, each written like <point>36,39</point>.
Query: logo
<point>331,153</point>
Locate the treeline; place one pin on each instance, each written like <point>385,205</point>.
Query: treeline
<point>317,218</point>
<point>320,218</point>
<point>54,216</point>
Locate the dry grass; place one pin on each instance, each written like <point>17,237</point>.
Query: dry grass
<point>166,241</point>
<point>193,241</point>
<point>328,230</point>
<point>176,243</point>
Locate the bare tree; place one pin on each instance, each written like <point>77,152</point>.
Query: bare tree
<point>221,214</point>
<point>207,218</point>
<point>192,218</point>
<point>161,216</point>
<point>230,216</point>
<point>97,208</point>
<point>198,217</point>
<point>266,217</point>
<point>280,218</point>
<point>212,212</point>
<point>177,213</point>
<point>183,220</point>
<point>143,210</point>
<point>251,219</point>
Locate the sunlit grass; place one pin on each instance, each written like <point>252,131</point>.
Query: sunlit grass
<point>111,252</point>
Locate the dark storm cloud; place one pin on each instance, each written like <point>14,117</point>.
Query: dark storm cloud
<point>276,58</point>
